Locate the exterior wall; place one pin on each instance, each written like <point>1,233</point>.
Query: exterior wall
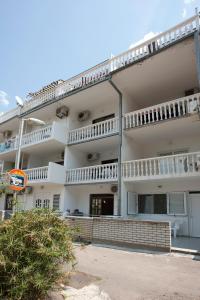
<point>78,196</point>
<point>44,192</point>
<point>159,187</point>
<point>97,112</point>
<point>147,234</point>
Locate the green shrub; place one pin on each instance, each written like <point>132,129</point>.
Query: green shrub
<point>33,244</point>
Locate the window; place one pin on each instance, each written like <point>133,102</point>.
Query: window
<point>176,203</point>
<point>131,203</point>
<point>111,116</point>
<point>56,202</point>
<point>39,203</point>
<point>152,204</point>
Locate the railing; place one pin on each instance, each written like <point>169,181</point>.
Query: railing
<point>37,174</point>
<point>9,115</point>
<point>98,130</point>
<point>9,145</point>
<point>164,111</point>
<point>158,42</point>
<point>37,136</point>
<point>99,173</point>
<point>180,165</point>
<point>100,71</point>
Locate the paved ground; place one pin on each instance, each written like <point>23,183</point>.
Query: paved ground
<point>127,275</point>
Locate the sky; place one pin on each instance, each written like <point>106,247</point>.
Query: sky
<point>46,40</point>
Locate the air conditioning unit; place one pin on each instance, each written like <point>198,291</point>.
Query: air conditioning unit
<point>93,156</point>
<point>114,188</point>
<point>62,112</point>
<point>7,134</point>
<point>84,115</point>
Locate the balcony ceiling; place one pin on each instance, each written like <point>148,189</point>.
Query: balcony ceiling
<point>88,99</point>
<point>99,145</point>
<point>161,77</point>
<point>166,130</point>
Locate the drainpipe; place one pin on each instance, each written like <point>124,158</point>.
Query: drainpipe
<point>120,145</point>
<point>197,46</point>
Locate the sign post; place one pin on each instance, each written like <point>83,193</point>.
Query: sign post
<point>17,182</point>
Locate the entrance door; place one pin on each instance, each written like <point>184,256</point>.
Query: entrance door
<point>101,204</point>
<point>195,215</point>
<point>9,202</point>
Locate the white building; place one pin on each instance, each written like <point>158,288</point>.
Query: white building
<point>122,138</point>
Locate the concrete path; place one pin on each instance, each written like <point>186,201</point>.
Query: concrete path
<point>127,275</point>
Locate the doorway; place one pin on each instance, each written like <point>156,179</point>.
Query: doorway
<point>101,204</point>
<point>194,200</point>
<point>9,202</point>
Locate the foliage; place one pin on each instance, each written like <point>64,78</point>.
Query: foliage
<point>33,244</point>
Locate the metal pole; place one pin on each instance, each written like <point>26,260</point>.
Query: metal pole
<point>17,163</point>
<point>120,145</point>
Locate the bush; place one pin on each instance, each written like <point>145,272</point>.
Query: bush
<point>33,244</point>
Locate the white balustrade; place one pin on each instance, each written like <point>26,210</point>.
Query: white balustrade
<point>9,115</point>
<point>100,71</point>
<point>37,174</point>
<point>181,165</point>
<point>97,130</point>
<point>164,111</point>
<point>10,145</point>
<point>98,173</point>
<point>37,136</point>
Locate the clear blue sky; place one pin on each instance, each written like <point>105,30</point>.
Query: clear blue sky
<point>46,40</point>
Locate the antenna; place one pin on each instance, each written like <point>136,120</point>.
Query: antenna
<point>19,101</point>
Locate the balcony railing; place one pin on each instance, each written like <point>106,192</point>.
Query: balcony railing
<point>37,136</point>
<point>181,165</point>
<point>99,173</point>
<point>94,131</point>
<point>100,71</point>
<point>9,145</point>
<point>53,173</point>
<point>164,111</point>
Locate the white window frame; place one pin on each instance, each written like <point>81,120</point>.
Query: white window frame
<point>185,204</point>
<point>136,203</point>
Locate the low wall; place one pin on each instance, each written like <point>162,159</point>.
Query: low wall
<point>135,233</point>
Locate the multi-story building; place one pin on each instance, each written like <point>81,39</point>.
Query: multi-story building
<point>122,138</point>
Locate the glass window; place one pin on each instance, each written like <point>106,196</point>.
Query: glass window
<point>131,205</point>
<point>38,203</point>
<point>177,203</point>
<point>152,204</point>
<point>46,203</point>
<point>56,202</point>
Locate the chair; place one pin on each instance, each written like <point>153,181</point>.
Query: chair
<point>175,226</point>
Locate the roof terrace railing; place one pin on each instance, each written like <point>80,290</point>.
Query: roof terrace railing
<point>102,70</point>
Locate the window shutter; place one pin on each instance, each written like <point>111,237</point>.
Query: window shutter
<point>176,204</point>
<point>56,202</point>
<point>131,203</point>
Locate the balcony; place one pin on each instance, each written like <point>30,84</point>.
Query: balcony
<point>165,111</point>
<point>53,173</point>
<point>51,133</point>
<point>181,165</point>
<point>94,174</point>
<point>94,131</point>
<point>102,70</point>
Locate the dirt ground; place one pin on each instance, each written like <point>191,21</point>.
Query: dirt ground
<point>128,275</point>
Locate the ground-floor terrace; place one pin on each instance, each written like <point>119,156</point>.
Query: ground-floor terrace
<point>175,201</point>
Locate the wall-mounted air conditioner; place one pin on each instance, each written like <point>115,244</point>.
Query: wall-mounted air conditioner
<point>93,156</point>
<point>62,112</point>
<point>84,115</point>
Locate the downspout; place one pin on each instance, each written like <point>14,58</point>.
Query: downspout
<point>197,47</point>
<point>119,146</point>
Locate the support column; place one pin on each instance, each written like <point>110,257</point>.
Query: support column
<point>197,47</point>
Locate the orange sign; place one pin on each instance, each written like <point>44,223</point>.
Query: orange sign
<point>17,179</point>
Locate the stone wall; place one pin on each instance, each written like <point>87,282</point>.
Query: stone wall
<point>135,233</point>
